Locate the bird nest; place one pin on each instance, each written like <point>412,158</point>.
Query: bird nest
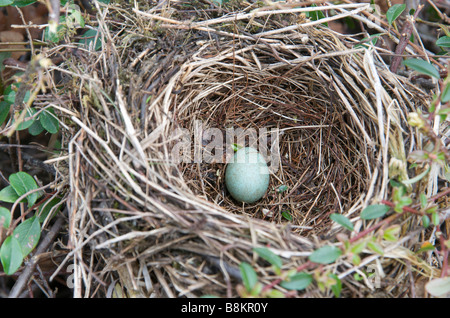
<point>150,206</point>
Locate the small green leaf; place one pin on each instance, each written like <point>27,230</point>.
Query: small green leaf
<point>425,221</point>
<point>47,207</point>
<point>445,96</point>
<point>394,12</point>
<point>269,256</point>
<point>4,111</point>
<point>274,293</point>
<point>375,247</point>
<point>426,246</point>
<point>89,37</point>
<point>358,247</point>
<point>325,255</point>
<point>61,29</point>
<point>422,67</point>
<point>5,217</point>
<point>423,200</point>
<point>36,128</point>
<point>22,182</point>
<point>286,215</point>
<point>23,3</point>
<point>443,41</point>
<point>438,287</point>
<point>282,188</point>
<point>28,120</point>
<point>337,287</point>
<point>236,147</point>
<point>27,234</point>
<point>435,218</point>
<point>49,120</point>
<point>75,18</point>
<point>417,178</point>
<point>356,259</point>
<point>316,15</point>
<point>374,211</point>
<point>8,194</point>
<point>249,276</point>
<point>391,233</point>
<point>11,255</point>
<point>342,220</point>
<point>297,281</point>
<point>4,3</point>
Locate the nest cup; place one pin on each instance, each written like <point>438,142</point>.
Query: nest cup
<point>319,161</point>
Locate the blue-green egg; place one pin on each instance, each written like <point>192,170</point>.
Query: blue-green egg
<point>247,175</point>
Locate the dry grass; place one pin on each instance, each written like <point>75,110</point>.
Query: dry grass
<point>153,228</point>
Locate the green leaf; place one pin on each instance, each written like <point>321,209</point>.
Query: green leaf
<point>4,3</point>
<point>36,128</point>
<point>5,217</point>
<point>391,233</point>
<point>435,218</point>
<point>423,200</point>
<point>426,246</point>
<point>422,67</point>
<point>46,208</point>
<point>269,256</point>
<point>375,247</point>
<point>286,215</point>
<point>89,37</point>
<point>445,96</point>
<point>316,15</point>
<point>23,3</point>
<point>22,182</point>
<point>342,220</point>
<point>358,247</point>
<point>417,178</point>
<point>49,120</point>
<point>394,12</point>
<point>27,234</point>
<point>337,287</point>
<point>55,37</point>
<point>28,120</point>
<point>282,188</point>
<point>10,95</point>
<point>425,221</point>
<point>374,211</point>
<point>438,287</point>
<point>4,111</point>
<point>443,41</point>
<point>11,255</point>
<point>74,18</point>
<point>249,276</point>
<point>325,255</point>
<point>297,281</point>
<point>8,194</point>
<point>274,293</point>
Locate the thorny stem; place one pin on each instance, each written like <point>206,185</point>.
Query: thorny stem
<point>374,227</point>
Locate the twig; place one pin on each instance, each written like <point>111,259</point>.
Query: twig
<point>404,40</point>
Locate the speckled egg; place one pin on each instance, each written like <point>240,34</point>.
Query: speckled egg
<point>247,175</point>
